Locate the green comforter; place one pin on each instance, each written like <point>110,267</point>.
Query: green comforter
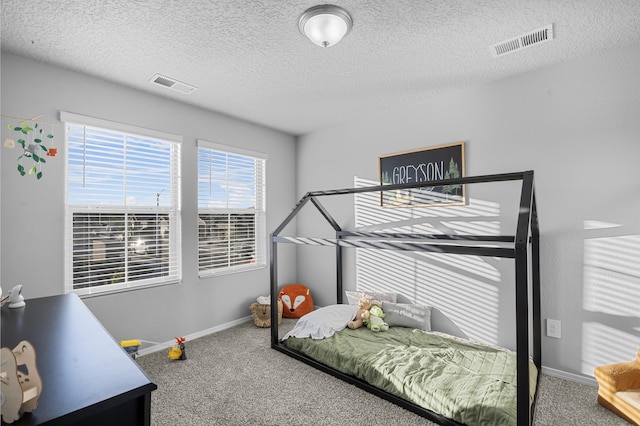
<point>470,383</point>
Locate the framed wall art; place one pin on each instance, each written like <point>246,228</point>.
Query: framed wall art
<point>423,165</point>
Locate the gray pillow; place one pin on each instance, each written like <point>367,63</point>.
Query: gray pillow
<point>407,315</point>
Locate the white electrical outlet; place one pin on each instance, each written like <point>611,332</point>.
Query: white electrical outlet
<point>554,328</point>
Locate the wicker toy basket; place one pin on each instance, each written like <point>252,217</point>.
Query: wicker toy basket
<point>262,314</point>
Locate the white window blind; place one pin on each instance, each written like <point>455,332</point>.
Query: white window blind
<point>123,206</point>
<point>231,209</point>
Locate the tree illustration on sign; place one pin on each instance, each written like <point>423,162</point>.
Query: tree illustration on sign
<point>397,197</point>
<point>452,173</point>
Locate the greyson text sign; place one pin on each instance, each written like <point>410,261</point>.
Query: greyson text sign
<point>424,165</point>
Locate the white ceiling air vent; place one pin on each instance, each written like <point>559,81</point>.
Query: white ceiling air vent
<point>172,84</point>
<point>522,41</point>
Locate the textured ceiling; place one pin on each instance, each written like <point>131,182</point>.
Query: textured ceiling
<point>248,59</point>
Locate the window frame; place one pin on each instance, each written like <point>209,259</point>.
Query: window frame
<point>173,210</point>
<point>260,212</point>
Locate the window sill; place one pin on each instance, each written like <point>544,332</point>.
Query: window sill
<point>229,271</point>
<point>97,291</point>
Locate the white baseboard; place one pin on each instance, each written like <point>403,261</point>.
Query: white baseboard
<point>164,346</point>
<point>569,376</point>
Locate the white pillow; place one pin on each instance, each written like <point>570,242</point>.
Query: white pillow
<point>354,296</point>
<point>407,315</point>
<point>323,322</point>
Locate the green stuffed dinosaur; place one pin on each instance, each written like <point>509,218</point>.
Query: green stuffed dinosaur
<point>375,321</point>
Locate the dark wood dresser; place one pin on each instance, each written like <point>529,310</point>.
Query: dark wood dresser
<point>87,378</point>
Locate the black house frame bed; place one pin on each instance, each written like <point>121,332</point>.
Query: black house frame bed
<point>523,248</point>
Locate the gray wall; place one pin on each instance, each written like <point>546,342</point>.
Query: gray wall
<point>577,126</point>
<point>33,211</point>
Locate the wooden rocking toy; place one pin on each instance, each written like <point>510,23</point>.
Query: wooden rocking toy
<point>21,383</point>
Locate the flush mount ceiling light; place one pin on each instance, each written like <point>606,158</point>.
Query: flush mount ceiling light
<point>325,24</point>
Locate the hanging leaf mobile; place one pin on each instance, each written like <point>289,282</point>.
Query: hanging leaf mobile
<point>32,149</point>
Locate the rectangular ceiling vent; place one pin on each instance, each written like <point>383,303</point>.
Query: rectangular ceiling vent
<point>523,41</point>
<point>172,84</point>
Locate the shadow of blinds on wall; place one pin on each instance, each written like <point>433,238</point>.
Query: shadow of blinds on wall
<point>455,285</point>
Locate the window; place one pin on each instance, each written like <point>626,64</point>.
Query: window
<point>123,206</point>
<point>231,209</point>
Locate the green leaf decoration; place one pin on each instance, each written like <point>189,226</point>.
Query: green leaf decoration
<point>26,153</point>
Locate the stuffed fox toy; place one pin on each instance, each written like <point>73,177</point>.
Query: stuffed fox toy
<point>297,300</point>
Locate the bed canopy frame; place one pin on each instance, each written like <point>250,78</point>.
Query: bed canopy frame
<point>523,248</point>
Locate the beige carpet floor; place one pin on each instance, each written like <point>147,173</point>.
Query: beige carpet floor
<point>233,377</point>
